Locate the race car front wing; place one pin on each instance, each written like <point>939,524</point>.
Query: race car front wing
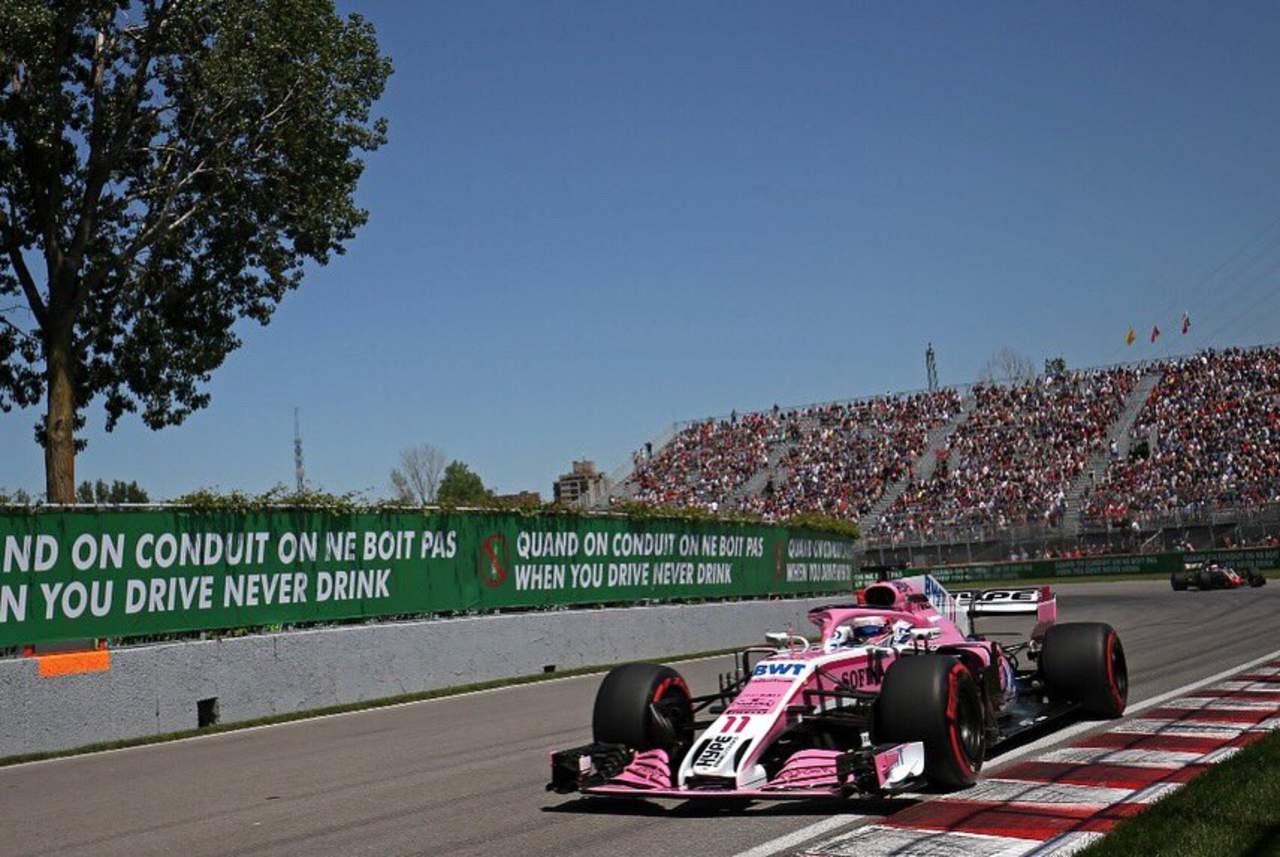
<point>613,770</point>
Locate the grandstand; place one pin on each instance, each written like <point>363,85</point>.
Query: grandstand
<point>1134,456</point>
<point>1210,435</point>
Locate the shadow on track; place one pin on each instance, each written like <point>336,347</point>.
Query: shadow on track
<point>717,808</point>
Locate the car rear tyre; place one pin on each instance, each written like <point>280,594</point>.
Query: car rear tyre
<point>1084,662</point>
<point>1178,580</point>
<point>645,707</point>
<point>934,699</point>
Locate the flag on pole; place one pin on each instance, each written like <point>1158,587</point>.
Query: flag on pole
<point>1130,337</point>
<point>1186,323</point>
<point>1155,332</point>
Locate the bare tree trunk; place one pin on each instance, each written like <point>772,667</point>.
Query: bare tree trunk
<point>60,418</point>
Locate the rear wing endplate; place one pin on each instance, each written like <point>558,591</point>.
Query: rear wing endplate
<point>947,605</point>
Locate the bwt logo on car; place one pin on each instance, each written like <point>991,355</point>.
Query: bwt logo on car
<point>778,669</point>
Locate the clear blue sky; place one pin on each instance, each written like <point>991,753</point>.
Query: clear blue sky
<point>595,218</point>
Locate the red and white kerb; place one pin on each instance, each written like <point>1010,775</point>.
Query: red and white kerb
<point>1062,800</point>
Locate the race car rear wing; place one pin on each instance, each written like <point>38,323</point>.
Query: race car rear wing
<point>1038,601</point>
<point>1004,602</point>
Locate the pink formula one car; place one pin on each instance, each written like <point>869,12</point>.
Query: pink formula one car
<point>898,694</point>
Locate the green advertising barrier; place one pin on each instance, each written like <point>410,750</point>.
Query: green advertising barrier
<point>114,573</point>
<point>1101,566</point>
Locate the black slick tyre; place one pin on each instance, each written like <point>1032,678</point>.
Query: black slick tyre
<point>1178,580</point>
<point>1084,662</point>
<point>934,699</point>
<point>643,706</point>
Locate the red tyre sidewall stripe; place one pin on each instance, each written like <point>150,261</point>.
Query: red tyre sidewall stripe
<point>668,683</point>
<point>953,718</point>
<point>1112,642</point>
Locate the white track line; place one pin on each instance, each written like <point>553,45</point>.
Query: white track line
<point>1213,703</point>
<point>876,840</point>
<point>1170,760</point>
<point>812,831</point>
<point>804,834</point>
<point>997,790</point>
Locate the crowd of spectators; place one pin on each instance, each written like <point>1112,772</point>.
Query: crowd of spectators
<point>707,460</point>
<point>1207,438</point>
<point>840,458</point>
<point>837,459</point>
<point>1012,461</point>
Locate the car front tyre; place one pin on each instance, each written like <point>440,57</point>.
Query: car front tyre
<point>644,707</point>
<point>934,699</point>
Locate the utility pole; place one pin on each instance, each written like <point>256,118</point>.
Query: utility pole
<point>931,368</point>
<point>298,472</point>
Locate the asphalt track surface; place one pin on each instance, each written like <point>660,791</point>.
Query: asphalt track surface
<point>465,775</point>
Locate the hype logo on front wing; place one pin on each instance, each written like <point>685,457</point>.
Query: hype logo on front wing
<point>715,751</point>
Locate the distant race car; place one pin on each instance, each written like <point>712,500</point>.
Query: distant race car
<point>898,693</point>
<point>1211,575</point>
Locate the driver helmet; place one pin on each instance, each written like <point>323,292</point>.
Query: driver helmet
<point>842,636</point>
<point>867,628</point>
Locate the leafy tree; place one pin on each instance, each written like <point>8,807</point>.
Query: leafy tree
<point>461,486</point>
<point>130,492</point>
<point>117,492</point>
<point>18,498</point>
<point>417,479</point>
<point>166,168</point>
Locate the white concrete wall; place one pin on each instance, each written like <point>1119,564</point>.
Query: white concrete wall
<point>154,689</point>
